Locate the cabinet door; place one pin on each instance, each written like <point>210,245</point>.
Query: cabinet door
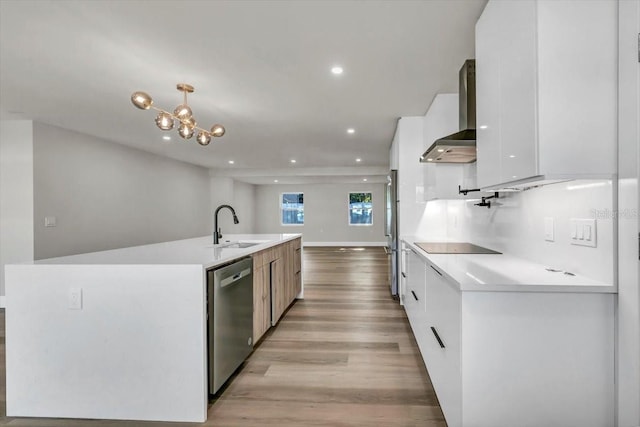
<point>443,348</point>
<point>278,290</point>
<point>415,296</point>
<point>261,301</point>
<point>518,88</point>
<point>488,46</point>
<point>297,266</point>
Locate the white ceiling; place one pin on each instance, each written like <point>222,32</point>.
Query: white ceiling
<point>260,68</point>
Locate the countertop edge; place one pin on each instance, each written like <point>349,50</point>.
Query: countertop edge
<point>465,286</point>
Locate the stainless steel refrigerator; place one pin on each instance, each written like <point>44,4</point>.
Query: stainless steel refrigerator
<point>391,228</point>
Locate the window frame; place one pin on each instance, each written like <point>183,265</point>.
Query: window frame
<point>280,208</point>
<point>349,208</point>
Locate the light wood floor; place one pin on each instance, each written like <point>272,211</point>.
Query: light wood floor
<point>343,356</point>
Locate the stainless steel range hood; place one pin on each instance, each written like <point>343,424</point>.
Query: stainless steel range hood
<point>459,147</point>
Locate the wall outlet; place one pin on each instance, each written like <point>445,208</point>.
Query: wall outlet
<point>75,299</point>
<point>49,221</point>
<point>549,230</point>
<point>583,232</point>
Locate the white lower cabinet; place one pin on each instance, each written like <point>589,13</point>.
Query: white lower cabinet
<point>442,352</point>
<point>414,296</point>
<point>513,359</point>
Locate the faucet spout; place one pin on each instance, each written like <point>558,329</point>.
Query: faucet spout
<point>217,233</point>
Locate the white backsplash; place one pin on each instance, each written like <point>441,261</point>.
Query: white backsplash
<point>515,225</point>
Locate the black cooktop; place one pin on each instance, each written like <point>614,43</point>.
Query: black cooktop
<point>454,248</point>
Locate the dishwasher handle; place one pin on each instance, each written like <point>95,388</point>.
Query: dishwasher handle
<point>228,281</point>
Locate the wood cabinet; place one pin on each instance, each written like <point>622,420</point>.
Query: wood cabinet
<point>262,266</point>
<point>277,280</point>
<point>546,92</point>
<point>441,180</point>
<point>498,358</point>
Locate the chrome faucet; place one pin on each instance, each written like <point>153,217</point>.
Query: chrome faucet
<point>217,233</point>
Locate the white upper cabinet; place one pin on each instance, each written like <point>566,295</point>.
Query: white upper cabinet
<point>546,74</point>
<point>441,180</point>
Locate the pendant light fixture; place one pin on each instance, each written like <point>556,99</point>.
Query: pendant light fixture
<point>187,124</point>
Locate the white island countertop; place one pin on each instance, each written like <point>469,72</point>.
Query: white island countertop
<point>507,273</point>
<point>127,327</point>
<point>198,251</point>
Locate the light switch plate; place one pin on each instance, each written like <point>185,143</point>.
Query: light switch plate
<point>75,299</point>
<point>49,221</point>
<point>549,233</point>
<point>583,232</point>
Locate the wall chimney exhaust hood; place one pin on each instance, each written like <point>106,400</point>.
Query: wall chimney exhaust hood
<point>459,147</point>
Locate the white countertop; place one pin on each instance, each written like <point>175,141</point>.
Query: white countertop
<point>493,272</point>
<point>199,251</point>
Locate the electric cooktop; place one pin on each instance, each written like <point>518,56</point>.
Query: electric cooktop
<point>454,248</point>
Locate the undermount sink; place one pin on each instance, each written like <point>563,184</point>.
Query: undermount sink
<point>237,245</point>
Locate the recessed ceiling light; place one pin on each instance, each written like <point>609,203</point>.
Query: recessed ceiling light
<point>358,160</point>
<point>275,180</point>
<point>337,70</point>
<point>512,156</point>
<point>293,160</point>
<point>351,131</point>
<point>231,162</point>
<point>364,179</point>
<point>484,127</point>
<point>166,138</point>
<point>429,160</point>
<point>440,150</point>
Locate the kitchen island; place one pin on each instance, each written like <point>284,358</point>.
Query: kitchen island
<point>511,342</point>
<point>118,334</point>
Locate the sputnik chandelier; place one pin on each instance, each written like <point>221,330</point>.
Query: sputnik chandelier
<point>182,114</point>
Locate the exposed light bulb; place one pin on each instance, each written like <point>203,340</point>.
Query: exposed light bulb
<point>141,100</point>
<point>203,138</point>
<point>183,112</point>
<point>185,131</point>
<point>164,121</point>
<point>217,130</point>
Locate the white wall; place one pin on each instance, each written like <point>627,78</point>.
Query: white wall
<point>326,218</point>
<point>515,224</point>
<point>16,194</point>
<point>628,351</point>
<point>107,196</point>
<point>239,195</point>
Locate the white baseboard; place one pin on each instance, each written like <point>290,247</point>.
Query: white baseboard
<point>3,301</point>
<point>345,244</point>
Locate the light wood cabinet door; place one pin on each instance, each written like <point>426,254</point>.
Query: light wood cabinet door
<point>278,290</point>
<point>261,301</point>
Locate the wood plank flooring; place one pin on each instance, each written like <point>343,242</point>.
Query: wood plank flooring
<point>343,356</point>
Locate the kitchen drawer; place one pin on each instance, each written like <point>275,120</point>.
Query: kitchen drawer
<point>443,348</point>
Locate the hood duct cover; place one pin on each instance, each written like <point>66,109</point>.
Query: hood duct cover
<point>459,147</point>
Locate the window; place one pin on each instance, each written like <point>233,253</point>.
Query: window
<point>360,209</point>
<point>292,208</point>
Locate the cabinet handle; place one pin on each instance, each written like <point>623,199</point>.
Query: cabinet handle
<point>404,275</point>
<point>434,269</point>
<point>414,295</point>
<point>437,337</point>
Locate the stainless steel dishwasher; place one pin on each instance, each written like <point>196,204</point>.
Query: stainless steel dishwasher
<point>230,319</point>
